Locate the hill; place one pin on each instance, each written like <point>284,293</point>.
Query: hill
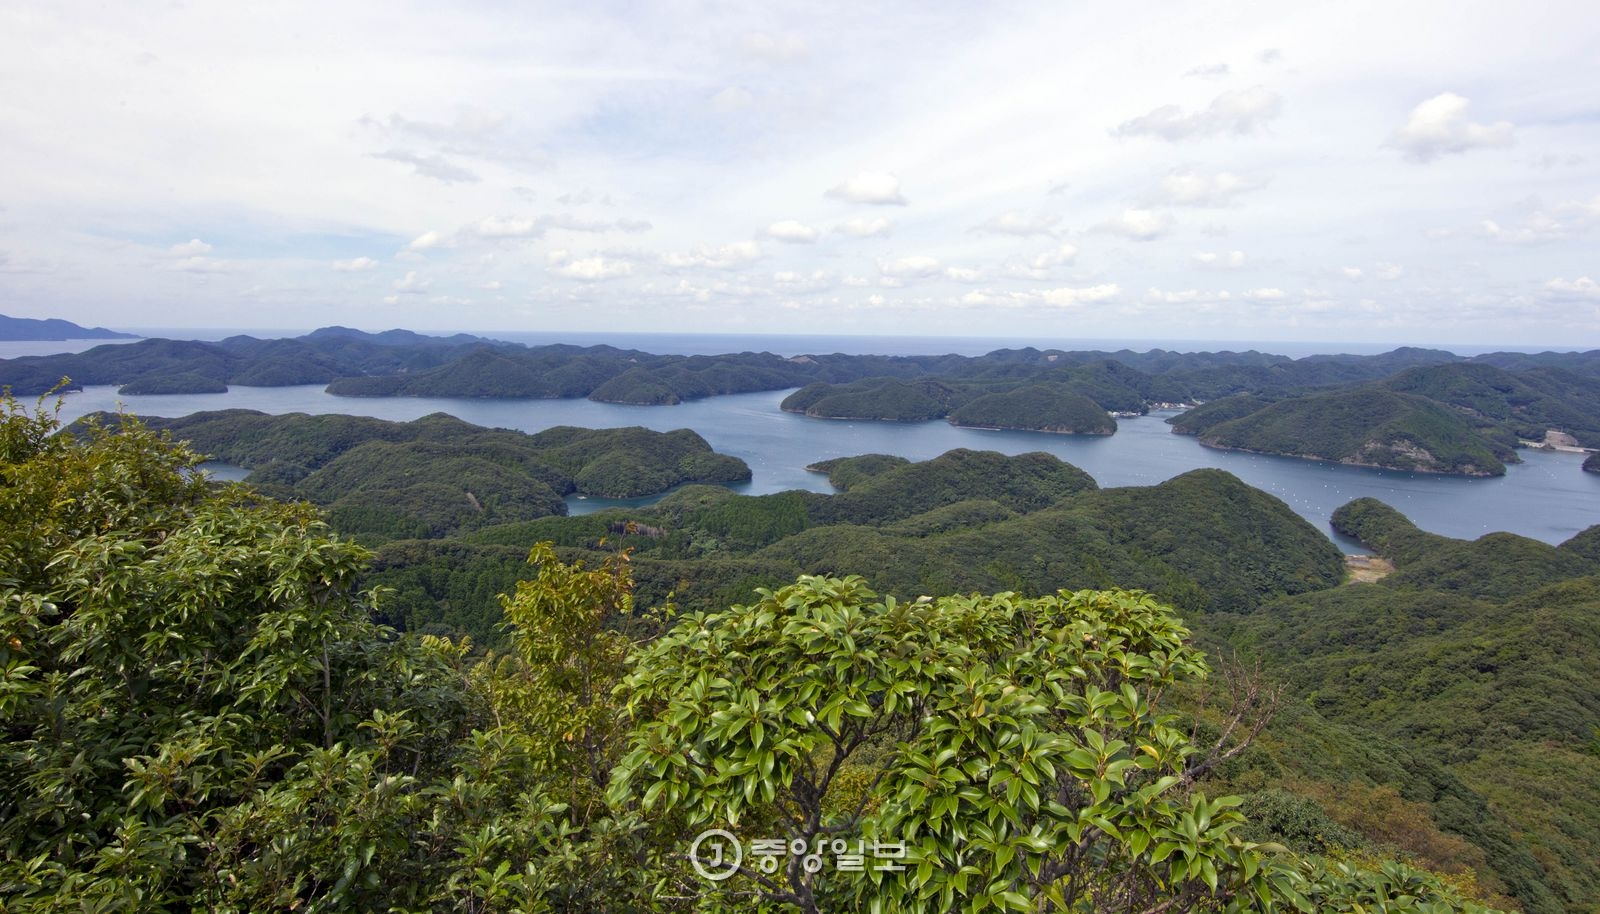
<point>439,476</point>
<point>1362,427</point>
<point>1479,655</point>
<point>54,328</point>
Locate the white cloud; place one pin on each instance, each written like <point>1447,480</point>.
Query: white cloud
<point>1265,295</point>
<point>1042,264</point>
<point>914,267</point>
<point>723,257</point>
<point>1073,298</point>
<point>1191,187</point>
<point>1439,126</point>
<point>866,226</point>
<point>495,227</point>
<point>1353,274</point>
<point>425,241</point>
<point>411,284</point>
<point>963,274</point>
<point>356,265</point>
<point>874,187</point>
<point>432,166</point>
<point>1208,71</point>
<point>1154,296</point>
<point>593,269</point>
<point>1239,111</point>
<point>1138,224</point>
<point>1221,260</point>
<point>1389,271</point>
<point>1021,224</point>
<point>792,232</point>
<point>191,248</point>
<point>1583,287</point>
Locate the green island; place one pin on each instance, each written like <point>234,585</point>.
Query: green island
<point>1362,427</point>
<point>1414,409</point>
<point>1591,463</point>
<point>1044,694</point>
<point>438,475</point>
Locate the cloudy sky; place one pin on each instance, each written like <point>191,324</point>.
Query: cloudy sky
<point>1353,171</point>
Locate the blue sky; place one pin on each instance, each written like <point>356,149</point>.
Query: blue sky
<point>1418,172</point>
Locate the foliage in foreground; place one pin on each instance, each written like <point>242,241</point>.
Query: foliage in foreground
<point>197,714</point>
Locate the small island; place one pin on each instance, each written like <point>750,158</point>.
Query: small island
<point>1591,464</point>
<point>53,329</point>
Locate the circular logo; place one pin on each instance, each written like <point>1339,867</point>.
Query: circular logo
<point>722,857</point>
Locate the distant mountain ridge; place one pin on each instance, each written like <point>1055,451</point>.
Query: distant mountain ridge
<point>50,329</point>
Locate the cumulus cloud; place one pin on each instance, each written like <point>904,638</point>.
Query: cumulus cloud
<point>1089,295</point>
<point>1066,297</point>
<point>917,266</point>
<point>194,247</point>
<point>1240,111</point>
<point>722,257</point>
<point>1138,224</point>
<point>1042,264</point>
<point>963,274</point>
<point>1154,296</point>
<point>1353,274</point>
<point>411,284</point>
<point>430,165</point>
<point>1581,288</point>
<point>792,232</point>
<point>356,265</point>
<point>1265,295</point>
<point>495,227</point>
<point>1439,126</point>
<point>1390,271</point>
<point>425,241</point>
<point>866,226</point>
<point>873,187</point>
<point>591,269</point>
<point>1020,224</point>
<point>1192,187</point>
<point>1221,260</point>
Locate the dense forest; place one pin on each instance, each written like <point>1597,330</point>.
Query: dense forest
<point>1416,409</point>
<point>439,476</point>
<point>202,713</point>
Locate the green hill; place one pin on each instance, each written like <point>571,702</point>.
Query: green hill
<point>1479,655</point>
<point>438,476</point>
<point>1037,407</point>
<point>1365,427</point>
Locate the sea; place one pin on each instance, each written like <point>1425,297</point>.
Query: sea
<point>1546,497</point>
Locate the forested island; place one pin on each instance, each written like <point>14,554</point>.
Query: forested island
<point>1420,744</point>
<point>54,329</point>
<point>1411,409</point>
<point>440,476</point>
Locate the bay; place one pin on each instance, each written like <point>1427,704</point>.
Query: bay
<point>1546,497</point>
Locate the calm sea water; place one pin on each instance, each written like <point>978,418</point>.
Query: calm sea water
<point>1547,497</point>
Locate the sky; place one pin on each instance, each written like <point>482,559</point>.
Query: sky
<point>1418,172</point>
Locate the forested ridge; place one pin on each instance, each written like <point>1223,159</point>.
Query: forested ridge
<point>1417,409</point>
<point>202,714</point>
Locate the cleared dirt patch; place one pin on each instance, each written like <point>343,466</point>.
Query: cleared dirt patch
<point>1364,569</point>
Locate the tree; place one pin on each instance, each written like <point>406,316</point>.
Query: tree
<point>962,753</point>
